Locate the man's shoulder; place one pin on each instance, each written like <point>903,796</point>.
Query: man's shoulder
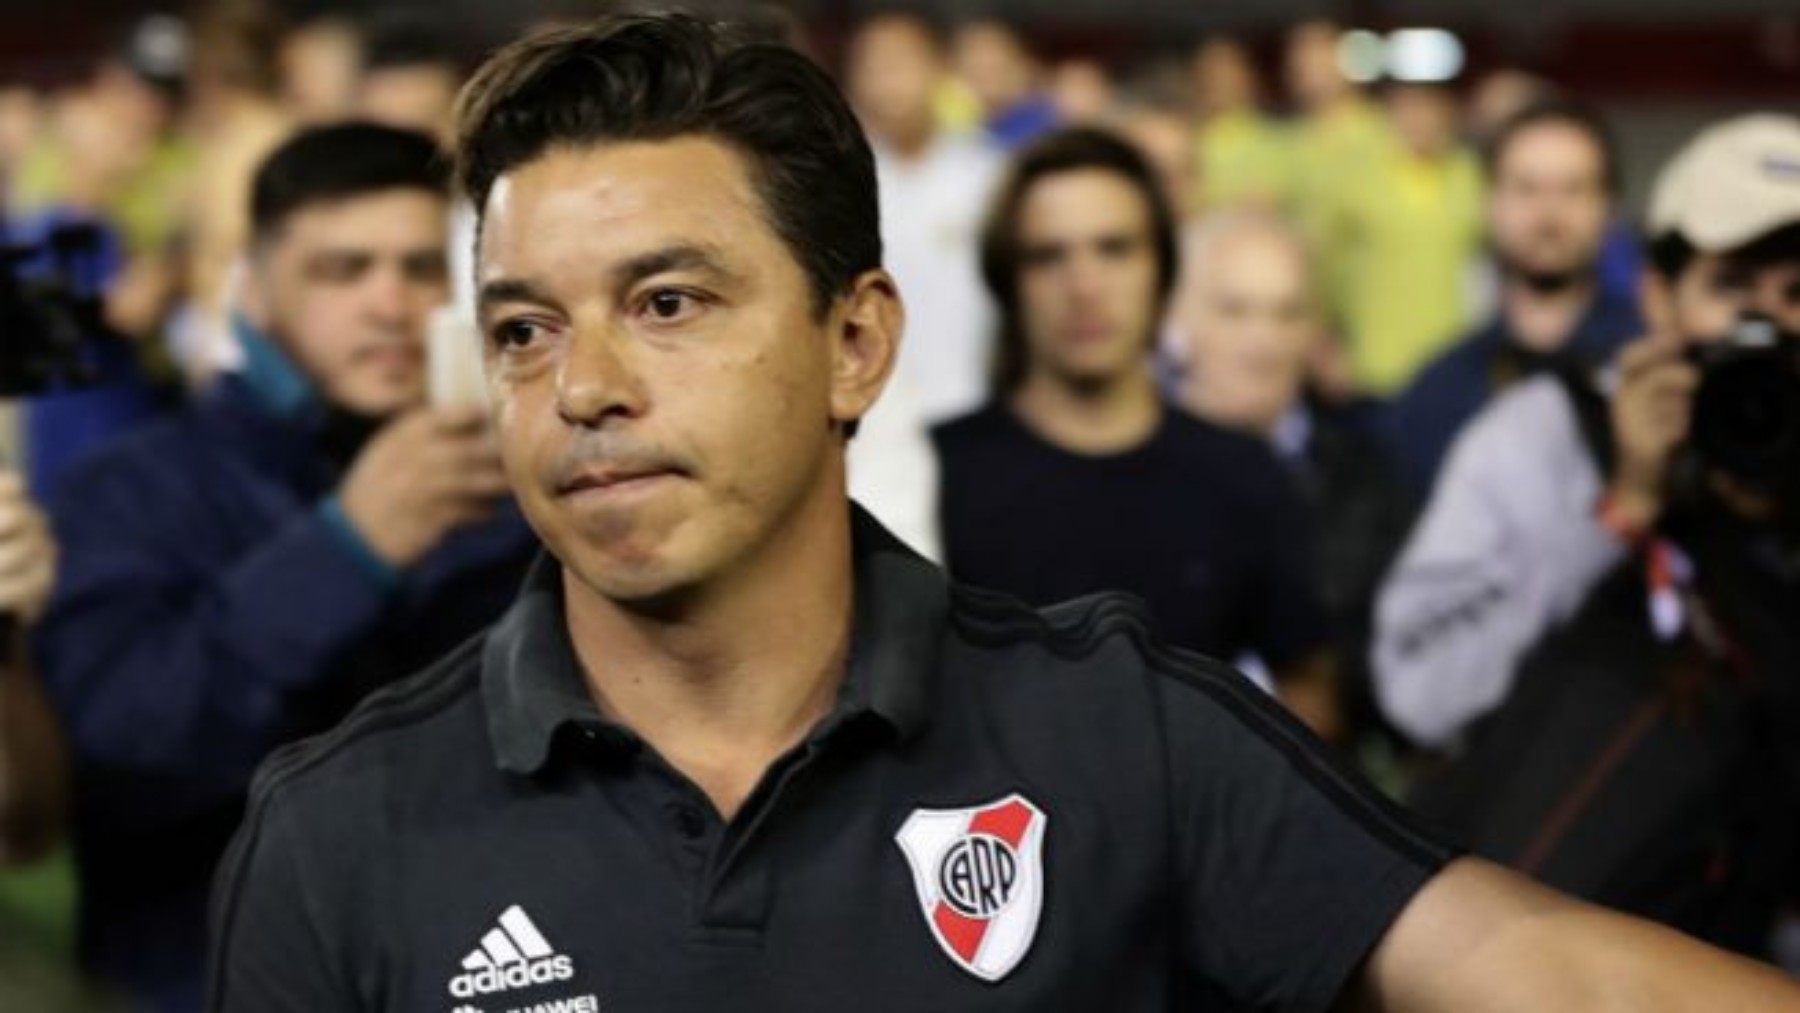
<point>985,426</point>
<point>1193,435</point>
<point>1218,463</point>
<point>400,739</point>
<point>1536,407</point>
<point>155,447</point>
<point>1102,642</point>
<point>1458,375</point>
<point>181,449</point>
<point>1527,440</point>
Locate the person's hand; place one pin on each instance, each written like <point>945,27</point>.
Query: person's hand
<point>27,553</point>
<point>1651,412</point>
<point>425,474</point>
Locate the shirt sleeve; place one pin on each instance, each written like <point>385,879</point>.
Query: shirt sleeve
<point>270,949</point>
<point>1290,868</point>
<point>1507,547</point>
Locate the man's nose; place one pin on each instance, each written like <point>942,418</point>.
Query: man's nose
<point>598,378</point>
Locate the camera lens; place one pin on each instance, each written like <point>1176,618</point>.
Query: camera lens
<point>1747,414</point>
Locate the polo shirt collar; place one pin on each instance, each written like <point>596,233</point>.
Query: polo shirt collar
<point>532,684</point>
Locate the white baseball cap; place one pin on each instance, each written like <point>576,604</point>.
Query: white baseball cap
<point>1736,181</point>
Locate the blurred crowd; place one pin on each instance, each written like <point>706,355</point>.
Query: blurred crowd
<point>1375,390</point>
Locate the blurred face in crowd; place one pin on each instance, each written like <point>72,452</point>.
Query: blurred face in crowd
<point>1167,142</point>
<point>417,97</point>
<point>1499,96</point>
<point>21,117</point>
<point>1548,204</point>
<point>993,62</point>
<point>666,396</point>
<point>1313,75</point>
<point>1224,79</point>
<point>101,147</point>
<point>1088,277</point>
<point>1706,299</point>
<point>1082,91</point>
<point>1425,118</point>
<point>894,68</point>
<point>1244,310</point>
<point>131,102</point>
<point>320,64</point>
<point>346,287</point>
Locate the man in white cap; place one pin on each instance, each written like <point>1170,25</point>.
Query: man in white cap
<point>1524,521</point>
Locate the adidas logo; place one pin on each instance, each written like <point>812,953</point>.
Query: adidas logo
<point>512,955</point>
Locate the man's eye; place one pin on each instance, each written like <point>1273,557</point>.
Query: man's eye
<point>668,305</point>
<point>516,333</point>
<point>338,270</point>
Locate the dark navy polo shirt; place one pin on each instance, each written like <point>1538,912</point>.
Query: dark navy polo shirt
<point>1008,809</point>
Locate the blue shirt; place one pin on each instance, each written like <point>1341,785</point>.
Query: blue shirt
<point>1019,125</point>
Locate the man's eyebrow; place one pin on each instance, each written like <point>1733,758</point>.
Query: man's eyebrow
<point>645,265</point>
<point>340,253</point>
<point>502,290</point>
<point>683,257</point>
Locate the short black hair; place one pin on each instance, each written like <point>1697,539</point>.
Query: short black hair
<point>1071,149</point>
<point>652,77</point>
<point>332,163</point>
<point>1569,112</point>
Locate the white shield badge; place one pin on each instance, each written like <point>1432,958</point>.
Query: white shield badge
<point>980,877</point>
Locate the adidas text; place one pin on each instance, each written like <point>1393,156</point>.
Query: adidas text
<point>489,980</point>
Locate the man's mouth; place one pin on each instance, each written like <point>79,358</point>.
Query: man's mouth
<point>613,478</point>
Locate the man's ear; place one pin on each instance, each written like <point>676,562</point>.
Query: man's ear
<point>865,344</point>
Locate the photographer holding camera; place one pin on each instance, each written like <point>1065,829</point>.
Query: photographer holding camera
<point>1607,574</point>
<point>241,574</point>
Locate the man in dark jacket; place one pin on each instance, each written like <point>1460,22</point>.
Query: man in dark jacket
<point>241,574</point>
<point>1554,180</point>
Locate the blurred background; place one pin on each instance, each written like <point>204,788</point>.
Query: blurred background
<point>1657,68</point>
<point>140,124</point>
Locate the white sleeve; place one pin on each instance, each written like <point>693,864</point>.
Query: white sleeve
<point>1507,549</point>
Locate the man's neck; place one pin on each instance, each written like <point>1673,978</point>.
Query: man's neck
<point>1543,320</point>
<point>1098,418</point>
<point>737,673</point>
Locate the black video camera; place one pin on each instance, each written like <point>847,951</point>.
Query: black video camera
<point>49,311</point>
<point>1746,419</point>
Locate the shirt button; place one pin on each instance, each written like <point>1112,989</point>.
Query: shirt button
<point>689,823</point>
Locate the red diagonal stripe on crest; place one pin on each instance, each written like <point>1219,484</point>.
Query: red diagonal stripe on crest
<point>1007,822</point>
<point>964,934</point>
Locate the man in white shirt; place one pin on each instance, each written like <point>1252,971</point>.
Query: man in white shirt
<point>934,194</point>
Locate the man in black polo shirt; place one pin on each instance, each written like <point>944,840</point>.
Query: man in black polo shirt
<point>734,747</point>
<point>1078,478</point>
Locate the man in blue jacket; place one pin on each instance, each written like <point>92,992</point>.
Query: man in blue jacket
<point>241,574</point>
